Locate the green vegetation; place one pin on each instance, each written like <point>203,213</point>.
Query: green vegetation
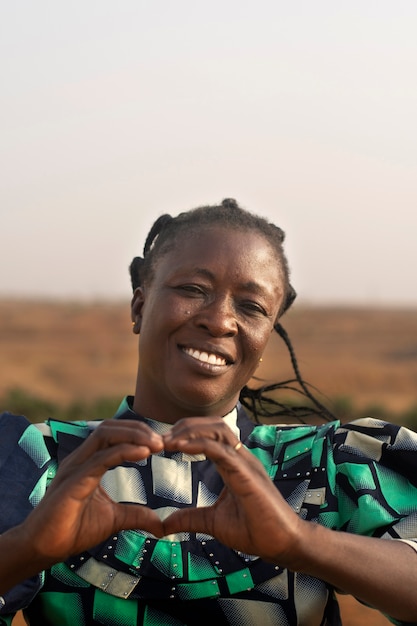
<point>345,410</point>
<point>36,409</point>
<point>21,402</point>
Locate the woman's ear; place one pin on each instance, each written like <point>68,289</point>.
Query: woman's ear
<point>136,306</point>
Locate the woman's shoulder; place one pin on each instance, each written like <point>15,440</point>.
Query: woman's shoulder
<point>366,435</point>
<point>12,423</point>
<point>362,441</point>
<point>18,436</point>
<point>292,432</point>
<point>391,445</point>
<point>31,447</point>
<point>383,430</point>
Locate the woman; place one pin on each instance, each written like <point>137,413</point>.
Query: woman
<point>182,510</point>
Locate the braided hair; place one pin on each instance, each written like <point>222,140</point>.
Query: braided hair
<point>163,236</point>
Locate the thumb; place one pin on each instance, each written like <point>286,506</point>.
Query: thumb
<point>189,520</point>
<point>130,516</point>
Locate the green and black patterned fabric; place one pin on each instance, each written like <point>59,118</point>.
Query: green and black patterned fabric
<point>359,477</point>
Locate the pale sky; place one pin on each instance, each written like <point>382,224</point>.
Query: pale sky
<point>112,113</point>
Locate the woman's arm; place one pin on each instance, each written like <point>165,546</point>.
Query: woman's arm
<point>76,513</point>
<point>380,572</point>
<point>251,516</point>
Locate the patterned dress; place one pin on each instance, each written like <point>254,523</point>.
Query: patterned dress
<point>359,477</point>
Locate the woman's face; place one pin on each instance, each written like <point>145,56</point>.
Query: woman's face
<point>204,322</point>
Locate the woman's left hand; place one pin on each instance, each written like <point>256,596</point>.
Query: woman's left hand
<point>250,514</point>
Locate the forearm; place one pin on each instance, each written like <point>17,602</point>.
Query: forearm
<point>381,573</point>
<point>18,561</point>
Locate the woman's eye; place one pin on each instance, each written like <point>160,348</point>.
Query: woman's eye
<point>192,289</point>
<point>254,308</point>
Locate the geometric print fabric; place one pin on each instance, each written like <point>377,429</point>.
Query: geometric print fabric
<point>343,477</point>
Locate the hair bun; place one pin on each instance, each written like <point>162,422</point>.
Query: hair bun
<point>229,203</point>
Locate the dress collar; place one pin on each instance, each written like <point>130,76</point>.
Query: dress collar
<point>126,411</point>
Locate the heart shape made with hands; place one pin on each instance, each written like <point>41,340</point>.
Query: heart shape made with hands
<point>76,512</point>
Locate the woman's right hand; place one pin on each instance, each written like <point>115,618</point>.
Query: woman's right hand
<point>75,512</point>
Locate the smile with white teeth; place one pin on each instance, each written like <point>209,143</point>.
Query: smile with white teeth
<point>205,357</point>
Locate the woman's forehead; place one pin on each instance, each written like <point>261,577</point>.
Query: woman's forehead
<point>223,249</point>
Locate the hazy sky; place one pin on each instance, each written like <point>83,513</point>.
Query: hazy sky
<point>112,113</point>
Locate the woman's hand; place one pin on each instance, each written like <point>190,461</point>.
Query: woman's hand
<point>250,514</point>
<point>76,513</point>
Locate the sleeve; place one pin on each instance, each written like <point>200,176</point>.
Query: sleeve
<point>375,481</point>
<point>24,467</point>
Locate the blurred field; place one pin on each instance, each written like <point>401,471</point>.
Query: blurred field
<point>367,356</point>
<point>63,351</point>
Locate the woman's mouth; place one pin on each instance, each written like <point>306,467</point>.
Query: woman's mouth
<point>205,357</point>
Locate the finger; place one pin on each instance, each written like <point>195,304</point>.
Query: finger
<point>193,429</point>
<point>125,441</point>
<point>229,451</point>
<point>112,432</point>
<point>240,470</point>
<point>195,424</point>
<point>86,473</point>
<point>194,520</point>
<point>131,516</point>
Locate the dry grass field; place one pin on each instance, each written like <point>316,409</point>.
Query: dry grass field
<point>63,351</point>
<point>66,350</point>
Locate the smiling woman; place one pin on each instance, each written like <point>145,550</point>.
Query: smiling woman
<point>182,508</point>
<point>204,325</point>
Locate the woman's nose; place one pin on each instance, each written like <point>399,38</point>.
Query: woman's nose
<point>219,318</point>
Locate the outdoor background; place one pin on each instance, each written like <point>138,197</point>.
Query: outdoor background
<point>76,360</point>
<point>114,113</point>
